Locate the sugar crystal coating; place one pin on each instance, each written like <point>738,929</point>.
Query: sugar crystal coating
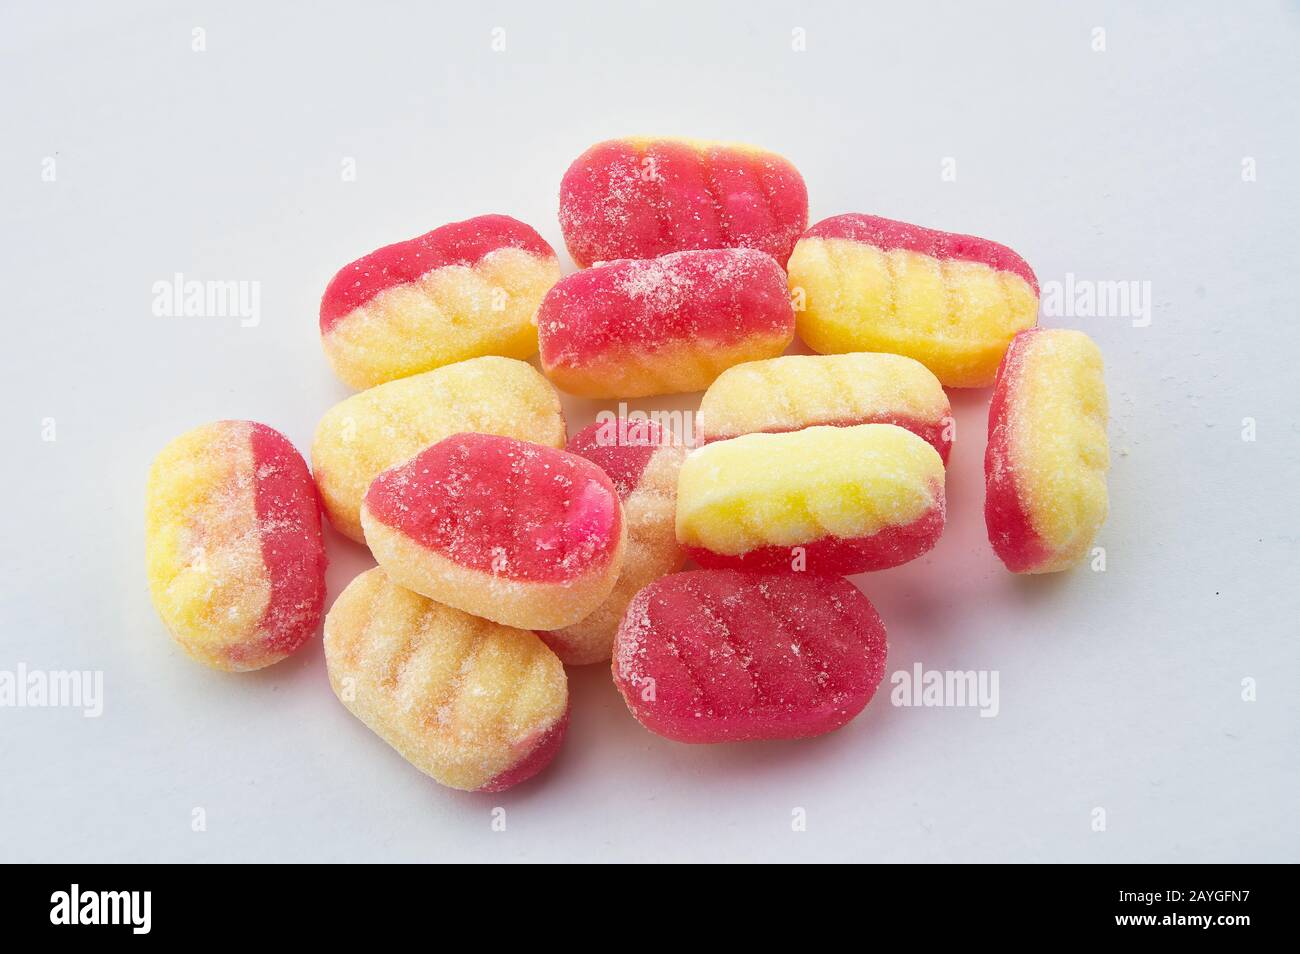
<point>515,532</point>
<point>461,291</point>
<point>233,539</point>
<point>641,198</point>
<point>390,423</point>
<point>642,460</point>
<point>1047,455</point>
<point>658,326</point>
<point>729,656</point>
<point>952,302</point>
<point>474,704</point>
<point>796,391</point>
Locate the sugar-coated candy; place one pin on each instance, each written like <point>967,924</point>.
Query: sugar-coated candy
<point>474,704</point>
<point>797,391</point>
<point>822,500</point>
<point>233,545</point>
<point>1047,456</point>
<point>515,532</point>
<point>663,325</point>
<point>640,198</point>
<point>390,423</point>
<point>642,460</point>
<point>952,302</point>
<point>463,290</point>
<point>730,656</point>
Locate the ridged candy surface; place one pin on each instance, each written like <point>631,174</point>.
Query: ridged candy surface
<point>475,705</point>
<point>641,198</point>
<point>463,290</point>
<point>663,325</point>
<point>379,428</point>
<point>828,500</point>
<point>952,302</point>
<point>727,656</point>
<point>796,391</point>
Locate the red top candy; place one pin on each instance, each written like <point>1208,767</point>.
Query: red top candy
<point>723,655</point>
<point>640,198</point>
<point>888,235</point>
<point>499,505</point>
<point>637,327</point>
<point>459,243</point>
<point>288,516</point>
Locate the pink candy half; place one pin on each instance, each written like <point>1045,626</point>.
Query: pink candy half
<point>621,199</point>
<point>502,507</point>
<point>726,656</point>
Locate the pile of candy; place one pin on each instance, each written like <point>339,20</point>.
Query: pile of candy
<point>507,552</point>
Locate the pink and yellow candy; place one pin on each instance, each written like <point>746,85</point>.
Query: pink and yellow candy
<point>796,391</point>
<point>514,532</point>
<point>475,705</point>
<point>829,500</point>
<point>463,290</point>
<point>233,539</point>
<point>663,325</point>
<point>1047,456</point>
<point>952,302</point>
<point>379,428</point>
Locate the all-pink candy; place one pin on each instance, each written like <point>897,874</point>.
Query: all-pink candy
<point>727,656</point>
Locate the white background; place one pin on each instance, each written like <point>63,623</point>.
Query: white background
<point>1120,690</point>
